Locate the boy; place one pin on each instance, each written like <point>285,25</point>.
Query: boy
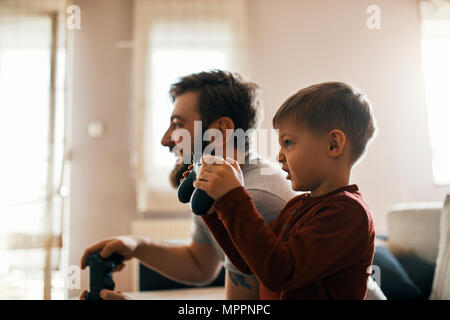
<point>321,245</point>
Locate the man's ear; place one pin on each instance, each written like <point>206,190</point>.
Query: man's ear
<point>223,124</point>
<point>336,142</point>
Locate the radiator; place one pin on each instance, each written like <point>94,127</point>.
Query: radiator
<point>162,229</point>
<point>175,230</point>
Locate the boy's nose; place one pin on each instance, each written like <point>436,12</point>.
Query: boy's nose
<point>280,157</point>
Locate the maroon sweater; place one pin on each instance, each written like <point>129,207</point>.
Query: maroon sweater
<point>317,248</point>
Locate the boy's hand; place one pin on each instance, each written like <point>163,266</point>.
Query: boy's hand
<point>218,176</point>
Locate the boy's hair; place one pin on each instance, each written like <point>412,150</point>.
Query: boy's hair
<point>222,94</point>
<point>332,105</point>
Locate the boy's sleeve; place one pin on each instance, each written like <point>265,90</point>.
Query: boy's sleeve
<point>223,239</point>
<point>332,240</point>
<point>267,205</point>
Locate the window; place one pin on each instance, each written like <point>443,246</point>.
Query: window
<point>175,38</point>
<point>436,65</point>
<point>32,114</point>
<point>166,65</point>
<point>436,62</point>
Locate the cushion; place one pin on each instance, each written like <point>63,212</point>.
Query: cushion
<point>414,230</point>
<point>394,281</point>
<point>441,281</point>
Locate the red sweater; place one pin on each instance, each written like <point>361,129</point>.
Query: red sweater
<point>317,248</point>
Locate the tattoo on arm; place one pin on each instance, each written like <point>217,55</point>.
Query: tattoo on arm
<point>239,280</point>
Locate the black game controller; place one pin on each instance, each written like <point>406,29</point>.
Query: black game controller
<point>100,273</point>
<point>201,202</point>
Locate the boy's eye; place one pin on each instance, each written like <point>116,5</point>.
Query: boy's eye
<point>287,143</point>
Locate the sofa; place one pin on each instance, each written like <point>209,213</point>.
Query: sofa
<point>412,259</point>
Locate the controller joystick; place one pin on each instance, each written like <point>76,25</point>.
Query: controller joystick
<point>201,202</point>
<point>100,273</point>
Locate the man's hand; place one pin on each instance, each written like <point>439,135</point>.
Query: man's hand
<point>186,173</point>
<point>125,246</point>
<point>218,176</point>
<point>106,294</point>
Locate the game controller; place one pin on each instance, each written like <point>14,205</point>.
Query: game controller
<point>100,273</point>
<point>201,202</point>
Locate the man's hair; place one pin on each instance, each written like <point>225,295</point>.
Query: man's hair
<point>221,94</point>
<point>332,105</point>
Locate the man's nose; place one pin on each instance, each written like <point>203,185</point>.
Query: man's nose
<point>166,140</point>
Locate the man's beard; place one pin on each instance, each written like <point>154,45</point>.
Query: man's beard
<point>177,174</point>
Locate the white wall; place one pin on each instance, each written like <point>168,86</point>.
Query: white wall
<point>294,44</point>
<point>102,190</point>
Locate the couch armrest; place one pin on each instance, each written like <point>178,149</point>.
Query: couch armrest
<point>414,230</point>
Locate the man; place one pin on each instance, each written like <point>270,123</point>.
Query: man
<point>222,101</point>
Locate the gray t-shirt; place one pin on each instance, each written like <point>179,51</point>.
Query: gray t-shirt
<point>270,191</point>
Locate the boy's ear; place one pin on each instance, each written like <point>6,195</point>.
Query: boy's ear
<point>336,142</point>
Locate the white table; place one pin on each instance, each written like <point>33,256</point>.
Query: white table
<point>209,293</point>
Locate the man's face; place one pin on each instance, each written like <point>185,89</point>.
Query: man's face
<point>184,114</point>
<point>302,155</point>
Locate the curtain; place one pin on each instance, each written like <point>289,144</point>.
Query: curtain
<point>32,117</point>
<point>435,17</point>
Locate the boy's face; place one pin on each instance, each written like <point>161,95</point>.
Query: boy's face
<point>303,155</point>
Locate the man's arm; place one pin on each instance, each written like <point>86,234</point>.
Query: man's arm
<point>193,264</point>
<point>241,287</point>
